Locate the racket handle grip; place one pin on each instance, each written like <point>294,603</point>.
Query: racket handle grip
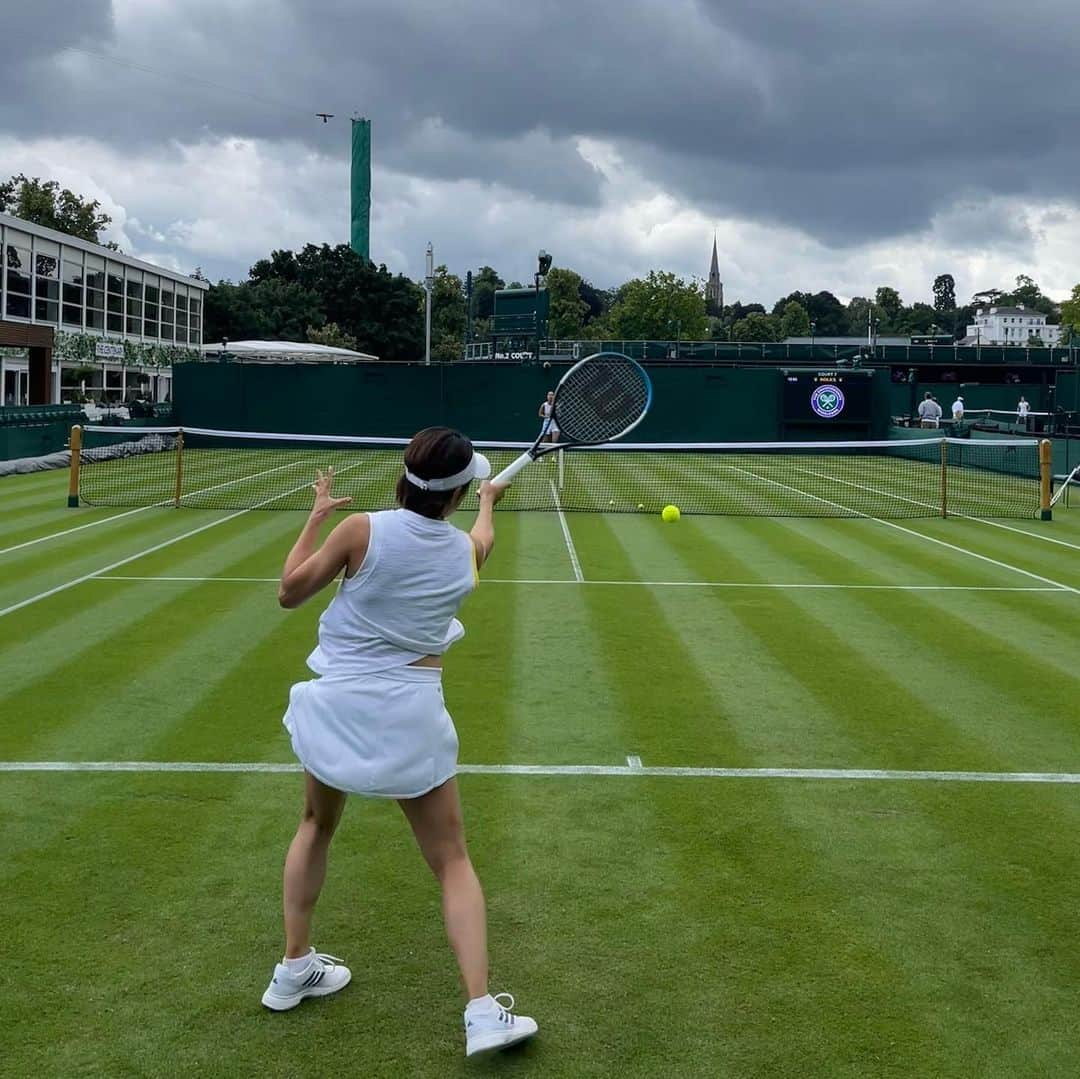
<point>512,469</point>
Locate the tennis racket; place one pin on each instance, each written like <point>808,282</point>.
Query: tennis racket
<point>598,400</point>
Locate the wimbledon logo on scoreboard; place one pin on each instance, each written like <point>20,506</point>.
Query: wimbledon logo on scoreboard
<point>827,401</point>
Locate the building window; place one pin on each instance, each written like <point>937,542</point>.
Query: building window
<point>73,287</point>
<point>17,261</point>
<point>134,305</point>
<point>46,281</point>
<point>95,291</point>
<point>168,312</point>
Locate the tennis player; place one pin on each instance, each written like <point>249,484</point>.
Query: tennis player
<point>549,429</point>
<point>374,723</point>
<point>958,409</point>
<point>1023,410</point>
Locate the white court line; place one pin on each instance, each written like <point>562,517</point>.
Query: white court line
<point>151,550</point>
<point>578,575</point>
<point>911,532</point>
<point>842,774</point>
<point>659,584</point>
<point>930,505</point>
<point>142,509</point>
<point>77,528</point>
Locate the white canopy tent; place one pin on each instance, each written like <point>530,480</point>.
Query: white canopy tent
<point>284,352</point>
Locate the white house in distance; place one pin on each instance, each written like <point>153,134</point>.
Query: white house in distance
<point>1010,326</point>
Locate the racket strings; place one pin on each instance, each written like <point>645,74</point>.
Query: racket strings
<point>599,400</point>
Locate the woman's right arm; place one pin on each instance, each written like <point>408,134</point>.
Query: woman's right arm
<point>482,532</point>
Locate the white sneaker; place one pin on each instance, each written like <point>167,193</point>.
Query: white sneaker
<point>494,1027</point>
<point>322,976</point>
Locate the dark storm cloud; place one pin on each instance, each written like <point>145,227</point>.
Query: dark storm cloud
<point>850,121</point>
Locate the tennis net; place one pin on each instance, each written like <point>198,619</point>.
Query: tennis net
<point>198,468</point>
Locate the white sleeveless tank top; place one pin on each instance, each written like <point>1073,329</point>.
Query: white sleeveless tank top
<point>402,602</point>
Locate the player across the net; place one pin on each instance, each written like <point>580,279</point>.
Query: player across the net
<point>199,468</point>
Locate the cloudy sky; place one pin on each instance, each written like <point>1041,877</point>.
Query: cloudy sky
<point>827,143</point>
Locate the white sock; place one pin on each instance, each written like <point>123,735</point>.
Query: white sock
<point>481,1004</point>
<point>297,965</point>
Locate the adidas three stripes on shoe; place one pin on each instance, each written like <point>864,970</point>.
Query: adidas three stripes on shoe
<point>323,975</point>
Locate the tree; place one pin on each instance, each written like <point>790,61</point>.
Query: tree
<point>919,318</point>
<point>825,311</point>
<point>757,327</point>
<point>944,293</point>
<point>47,204</point>
<point>890,304</point>
<point>858,314</point>
<point>269,310</point>
<point>568,310</point>
<point>657,307</point>
<point>1070,316</point>
<point>597,300</point>
<point>447,315</point>
<point>795,321</point>
<point>1028,294</point>
<point>486,282</point>
<point>292,291</point>
<point>331,334</point>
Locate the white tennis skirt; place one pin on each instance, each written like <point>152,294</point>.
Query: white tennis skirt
<point>385,735</point>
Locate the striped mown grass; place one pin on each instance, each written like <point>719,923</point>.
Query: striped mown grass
<point>681,926</point>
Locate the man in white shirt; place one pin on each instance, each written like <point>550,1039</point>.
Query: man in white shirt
<point>958,409</point>
<point>929,411</point>
<point>1023,410</point>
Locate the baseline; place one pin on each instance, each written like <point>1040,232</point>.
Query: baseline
<point>655,584</point>
<point>633,770</point>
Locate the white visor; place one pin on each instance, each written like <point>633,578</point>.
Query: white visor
<point>479,468</point>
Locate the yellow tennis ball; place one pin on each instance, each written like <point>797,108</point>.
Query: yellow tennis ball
<point>670,513</point>
<point>641,505</point>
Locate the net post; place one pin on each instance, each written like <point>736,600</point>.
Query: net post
<point>1046,485</point>
<point>73,471</point>
<point>179,467</point>
<point>944,477</point>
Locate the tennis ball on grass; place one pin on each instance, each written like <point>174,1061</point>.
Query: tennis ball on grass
<point>670,513</point>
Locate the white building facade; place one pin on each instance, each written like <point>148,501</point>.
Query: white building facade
<point>1014,326</point>
<point>133,312</point>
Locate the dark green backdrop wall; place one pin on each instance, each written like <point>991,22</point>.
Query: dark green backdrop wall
<point>491,401</point>
<point>486,401</point>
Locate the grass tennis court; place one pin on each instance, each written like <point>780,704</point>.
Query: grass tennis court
<point>657,918</point>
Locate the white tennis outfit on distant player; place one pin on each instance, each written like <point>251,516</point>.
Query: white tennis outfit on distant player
<point>1023,407</point>
<point>958,409</point>
<point>371,724</point>
<point>546,427</point>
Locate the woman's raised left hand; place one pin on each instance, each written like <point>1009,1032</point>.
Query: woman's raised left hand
<point>325,503</point>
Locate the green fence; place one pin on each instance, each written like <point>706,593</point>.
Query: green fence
<point>489,401</point>
<point>36,430</point>
<point>500,401</point>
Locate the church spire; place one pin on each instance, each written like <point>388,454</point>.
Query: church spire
<point>714,290</point>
